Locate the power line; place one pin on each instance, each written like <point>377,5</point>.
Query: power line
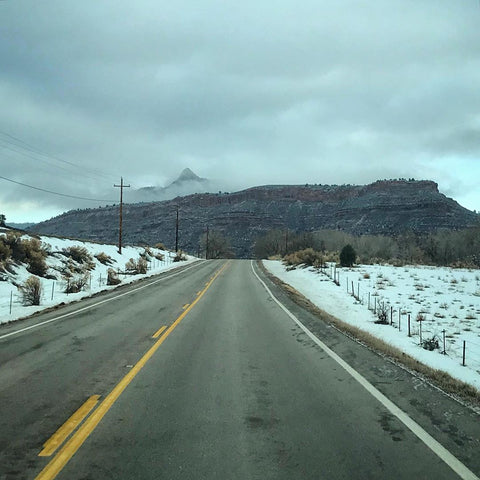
<point>27,155</point>
<point>57,193</point>
<point>37,151</point>
<point>28,151</point>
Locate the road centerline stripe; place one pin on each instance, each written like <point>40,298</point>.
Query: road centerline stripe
<point>51,445</point>
<point>89,307</point>
<point>54,467</point>
<point>436,447</point>
<point>159,331</point>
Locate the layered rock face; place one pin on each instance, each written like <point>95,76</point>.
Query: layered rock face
<point>384,207</point>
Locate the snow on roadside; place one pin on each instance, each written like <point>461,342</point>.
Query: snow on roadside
<point>11,307</point>
<point>448,299</point>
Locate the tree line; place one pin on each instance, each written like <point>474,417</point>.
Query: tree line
<point>453,248</point>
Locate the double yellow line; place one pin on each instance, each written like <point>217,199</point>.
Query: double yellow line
<point>53,468</point>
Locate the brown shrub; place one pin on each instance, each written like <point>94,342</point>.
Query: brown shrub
<point>31,291</point>
<point>179,257</point>
<point>80,255</point>
<point>131,265</point>
<point>30,251</point>
<point>103,258</point>
<point>142,266</point>
<point>37,264</point>
<point>308,256</point>
<point>112,277</point>
<point>136,267</point>
<point>5,250</point>
<point>14,241</point>
<point>76,284</point>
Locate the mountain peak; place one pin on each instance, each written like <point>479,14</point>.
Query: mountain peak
<point>187,175</point>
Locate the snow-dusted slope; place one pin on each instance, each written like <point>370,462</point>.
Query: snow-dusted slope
<point>448,299</point>
<point>11,306</point>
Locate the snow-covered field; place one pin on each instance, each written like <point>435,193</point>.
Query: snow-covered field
<point>11,306</point>
<point>448,300</point>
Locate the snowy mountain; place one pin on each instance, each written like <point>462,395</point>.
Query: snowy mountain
<point>187,183</point>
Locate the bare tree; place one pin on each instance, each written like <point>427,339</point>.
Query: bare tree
<point>216,245</point>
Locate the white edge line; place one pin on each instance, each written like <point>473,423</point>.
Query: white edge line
<point>16,332</point>
<point>456,465</point>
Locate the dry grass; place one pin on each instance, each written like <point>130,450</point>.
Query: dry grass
<point>103,258</point>
<point>307,256</point>
<point>439,378</point>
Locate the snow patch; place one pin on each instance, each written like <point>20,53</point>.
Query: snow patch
<point>53,290</point>
<point>448,299</point>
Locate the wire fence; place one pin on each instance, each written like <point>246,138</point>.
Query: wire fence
<point>430,335</point>
<point>12,302</point>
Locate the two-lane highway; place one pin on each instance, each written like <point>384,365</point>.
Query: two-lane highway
<point>231,387</point>
<point>46,373</point>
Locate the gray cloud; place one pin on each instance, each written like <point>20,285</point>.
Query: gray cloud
<point>245,93</point>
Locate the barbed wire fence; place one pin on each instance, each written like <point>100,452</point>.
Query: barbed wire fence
<point>11,303</point>
<point>431,336</point>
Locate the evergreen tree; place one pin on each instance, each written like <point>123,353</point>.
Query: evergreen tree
<point>347,256</point>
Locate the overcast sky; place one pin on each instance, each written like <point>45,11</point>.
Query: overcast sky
<point>247,93</point>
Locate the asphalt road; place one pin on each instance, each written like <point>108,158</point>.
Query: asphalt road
<point>231,388</point>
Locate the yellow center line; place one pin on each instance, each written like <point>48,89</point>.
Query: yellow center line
<point>185,306</point>
<point>68,427</point>
<point>54,467</point>
<point>159,331</point>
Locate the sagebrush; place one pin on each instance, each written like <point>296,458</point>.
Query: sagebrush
<point>76,284</point>
<point>31,291</point>
<point>112,277</point>
<point>104,259</point>
<point>136,267</point>
<point>179,257</point>
<point>308,256</point>
<point>15,248</point>
<point>80,255</point>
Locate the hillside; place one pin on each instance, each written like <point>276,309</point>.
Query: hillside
<point>67,269</point>
<point>384,207</point>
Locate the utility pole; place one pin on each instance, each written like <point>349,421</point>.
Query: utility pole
<point>206,248</point>
<point>121,186</point>
<point>176,233</point>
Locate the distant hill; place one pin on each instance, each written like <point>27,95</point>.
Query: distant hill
<point>384,207</point>
<point>20,226</point>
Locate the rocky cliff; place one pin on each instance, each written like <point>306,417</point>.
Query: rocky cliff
<point>384,207</point>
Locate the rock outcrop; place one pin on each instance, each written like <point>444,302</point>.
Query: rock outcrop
<point>384,207</point>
